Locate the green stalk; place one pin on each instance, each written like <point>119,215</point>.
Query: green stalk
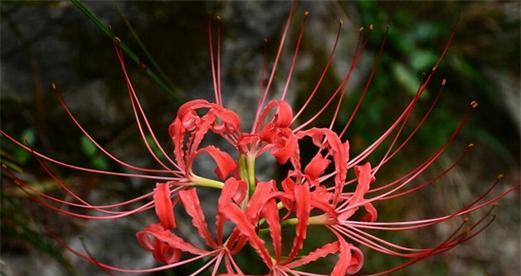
<point>250,165</point>
<point>206,182</point>
<point>143,48</point>
<point>124,47</point>
<point>247,171</point>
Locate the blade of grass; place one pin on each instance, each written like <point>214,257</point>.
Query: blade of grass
<point>171,91</point>
<point>17,225</point>
<point>143,47</point>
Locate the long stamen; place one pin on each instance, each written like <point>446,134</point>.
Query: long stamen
<point>339,90</point>
<point>74,195</point>
<point>93,259</point>
<point>367,243</point>
<point>134,100</point>
<point>382,241</point>
<point>86,205</point>
<point>386,159</point>
<point>323,74</point>
<point>453,136</point>
<point>127,270</point>
<point>295,55</point>
<point>449,243</point>
<point>275,64</point>
<point>212,62</point>
<point>209,263</point>
<point>366,86</point>
<point>409,107</point>
<point>84,169</point>
<point>101,148</point>
<point>432,180</point>
<point>235,266</point>
<point>262,76</point>
<point>388,156</point>
<point>406,225</point>
<point>217,263</point>
<point>424,184</point>
<point>219,91</point>
<point>79,215</point>
<point>296,272</point>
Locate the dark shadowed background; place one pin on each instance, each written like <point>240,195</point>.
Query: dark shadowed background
<point>44,42</point>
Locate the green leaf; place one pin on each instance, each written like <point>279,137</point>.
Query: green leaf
<point>87,147</point>
<point>425,31</point>
<point>422,59</point>
<point>405,77</point>
<point>100,162</point>
<point>463,66</point>
<point>20,155</point>
<point>153,145</point>
<point>28,136</point>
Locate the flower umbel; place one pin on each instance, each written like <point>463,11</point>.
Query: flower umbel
<point>318,192</point>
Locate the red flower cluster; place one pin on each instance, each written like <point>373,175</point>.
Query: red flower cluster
<point>318,192</point>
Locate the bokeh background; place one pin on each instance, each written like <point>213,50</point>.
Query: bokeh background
<point>44,42</point>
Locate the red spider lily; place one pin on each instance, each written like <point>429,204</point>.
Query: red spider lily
<point>313,193</point>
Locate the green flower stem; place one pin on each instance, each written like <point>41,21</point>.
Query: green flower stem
<point>250,163</point>
<point>206,182</point>
<point>247,171</point>
<point>314,220</point>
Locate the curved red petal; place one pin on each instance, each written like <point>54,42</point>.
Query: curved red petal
<point>314,133</point>
<point>350,260</point>
<point>340,156</point>
<point>284,114</point>
<point>364,177</point>
<point>316,166</point>
<point>271,214</point>
<point>225,163</point>
<point>199,133</point>
<point>163,205</point>
<point>241,192</point>
<point>302,209</point>
<point>191,105</point>
<point>258,200</point>
<point>246,228</point>
<point>192,205</point>
<point>230,121</point>
<point>371,213</point>
<point>282,117</point>
<point>357,260</point>
<point>177,133</point>
<point>285,146</point>
<point>164,253</point>
<point>321,199</point>
<point>344,259</point>
<point>230,190</point>
<point>159,233</point>
<point>330,248</point>
<point>337,149</point>
<point>288,185</point>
